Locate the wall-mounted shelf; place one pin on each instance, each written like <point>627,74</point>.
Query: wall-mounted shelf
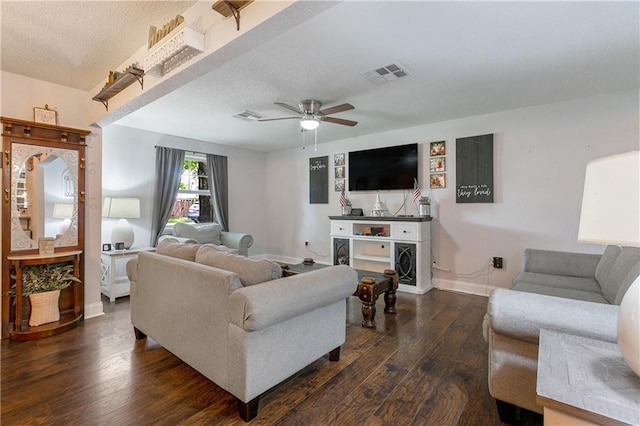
<point>227,8</point>
<point>126,80</point>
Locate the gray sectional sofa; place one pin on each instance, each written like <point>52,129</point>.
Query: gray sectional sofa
<point>573,293</point>
<point>234,319</point>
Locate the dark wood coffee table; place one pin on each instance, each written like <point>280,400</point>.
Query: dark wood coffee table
<point>370,286</point>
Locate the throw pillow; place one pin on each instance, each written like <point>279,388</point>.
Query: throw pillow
<point>250,271</point>
<point>204,233</point>
<point>222,248</point>
<point>179,250</point>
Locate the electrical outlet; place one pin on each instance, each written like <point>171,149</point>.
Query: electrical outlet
<point>497,262</point>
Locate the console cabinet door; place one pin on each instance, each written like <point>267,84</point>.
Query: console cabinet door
<point>341,251</point>
<point>405,263</point>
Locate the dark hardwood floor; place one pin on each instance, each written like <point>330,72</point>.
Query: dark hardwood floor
<point>426,365</point>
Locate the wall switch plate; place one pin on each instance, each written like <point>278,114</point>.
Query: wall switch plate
<point>497,262</point>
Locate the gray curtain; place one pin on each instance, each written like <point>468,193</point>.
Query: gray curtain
<point>169,167</point>
<point>219,187</point>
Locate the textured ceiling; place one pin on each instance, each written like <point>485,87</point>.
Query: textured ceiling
<point>464,59</point>
<point>76,43</point>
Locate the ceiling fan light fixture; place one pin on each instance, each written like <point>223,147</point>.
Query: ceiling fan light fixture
<point>309,123</point>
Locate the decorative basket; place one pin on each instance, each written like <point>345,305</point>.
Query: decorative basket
<point>44,307</point>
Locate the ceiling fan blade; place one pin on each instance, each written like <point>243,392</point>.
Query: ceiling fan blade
<point>289,107</point>
<point>340,121</point>
<point>336,109</point>
<point>282,118</point>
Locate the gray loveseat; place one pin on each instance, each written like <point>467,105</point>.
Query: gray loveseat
<point>246,331</point>
<point>208,233</point>
<point>573,293</point>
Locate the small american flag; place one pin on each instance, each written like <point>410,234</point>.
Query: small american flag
<point>343,199</point>
<point>416,191</point>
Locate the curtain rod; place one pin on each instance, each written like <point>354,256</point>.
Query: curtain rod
<point>185,151</point>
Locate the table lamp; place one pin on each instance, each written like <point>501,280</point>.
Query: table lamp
<point>611,215</point>
<point>123,209</point>
<point>63,211</point>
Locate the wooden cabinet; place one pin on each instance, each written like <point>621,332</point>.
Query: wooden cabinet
<point>36,159</point>
<point>69,303</point>
<point>379,243</point>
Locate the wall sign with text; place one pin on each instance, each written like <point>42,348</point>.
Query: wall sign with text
<point>319,180</point>
<point>474,169</point>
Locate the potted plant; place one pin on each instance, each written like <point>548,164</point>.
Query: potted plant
<point>42,283</point>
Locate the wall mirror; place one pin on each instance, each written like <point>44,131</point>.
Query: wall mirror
<point>43,196</point>
<point>44,202</point>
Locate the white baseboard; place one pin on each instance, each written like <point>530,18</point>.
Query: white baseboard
<point>463,287</point>
<point>93,310</point>
<point>413,289</point>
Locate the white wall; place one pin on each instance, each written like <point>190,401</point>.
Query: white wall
<point>18,96</point>
<point>540,154</point>
<point>129,170</point>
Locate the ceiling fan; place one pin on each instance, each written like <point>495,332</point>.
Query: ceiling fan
<point>310,114</point>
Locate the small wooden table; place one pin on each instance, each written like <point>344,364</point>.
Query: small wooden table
<point>70,315</point>
<point>370,286</point>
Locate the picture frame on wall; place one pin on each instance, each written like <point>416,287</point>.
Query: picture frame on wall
<point>437,164</point>
<point>339,172</point>
<point>338,159</point>
<point>339,185</point>
<point>45,115</point>
<point>438,180</point>
<point>437,148</point>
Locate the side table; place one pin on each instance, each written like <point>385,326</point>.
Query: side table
<point>114,281</point>
<point>584,381</point>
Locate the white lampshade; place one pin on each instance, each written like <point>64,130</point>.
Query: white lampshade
<point>611,215</point>
<point>123,209</point>
<point>611,201</point>
<point>63,211</point>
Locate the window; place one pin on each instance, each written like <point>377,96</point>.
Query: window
<point>193,201</point>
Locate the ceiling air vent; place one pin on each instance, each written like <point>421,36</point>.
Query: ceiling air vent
<point>385,74</point>
<point>248,115</point>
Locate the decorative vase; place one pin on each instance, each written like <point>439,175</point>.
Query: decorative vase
<point>44,307</point>
<point>629,327</point>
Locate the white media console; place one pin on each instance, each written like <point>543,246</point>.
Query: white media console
<point>378,243</point>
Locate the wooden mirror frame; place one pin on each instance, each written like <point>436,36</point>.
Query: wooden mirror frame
<point>48,137</point>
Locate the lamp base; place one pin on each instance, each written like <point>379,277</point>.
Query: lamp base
<point>122,233</point>
<point>629,327</point>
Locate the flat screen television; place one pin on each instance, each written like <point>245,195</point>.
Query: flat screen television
<point>393,167</point>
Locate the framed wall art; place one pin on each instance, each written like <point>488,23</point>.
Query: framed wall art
<point>437,164</point>
<point>45,115</point>
<point>437,148</point>
<point>438,180</point>
<point>474,169</point>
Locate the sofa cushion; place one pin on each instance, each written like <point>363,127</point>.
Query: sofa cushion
<point>250,271</point>
<point>560,292</point>
<point>204,233</point>
<point>558,281</point>
<point>222,248</point>
<point>171,248</point>
<point>617,278</point>
<point>606,263</point>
